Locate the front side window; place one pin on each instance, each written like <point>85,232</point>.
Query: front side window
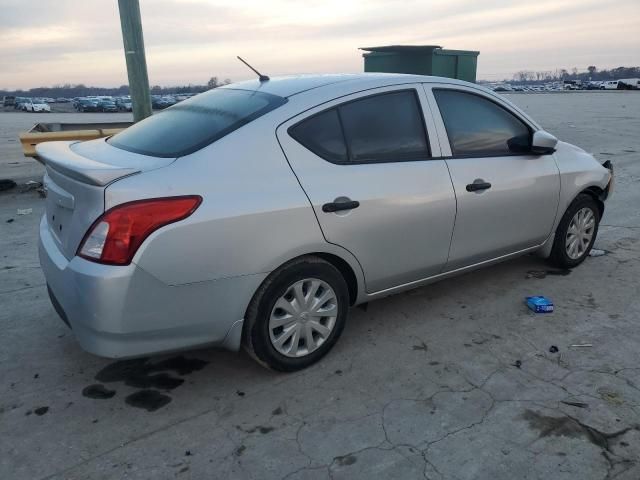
<point>381,128</point>
<point>478,127</point>
<point>195,123</point>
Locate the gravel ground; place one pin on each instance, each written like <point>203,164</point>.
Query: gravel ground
<point>456,380</point>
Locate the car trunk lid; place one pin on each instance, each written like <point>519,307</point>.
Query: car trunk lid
<point>77,174</point>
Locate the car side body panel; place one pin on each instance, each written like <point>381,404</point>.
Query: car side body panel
<point>579,171</point>
<point>516,213</point>
<point>395,197</point>
<point>253,210</point>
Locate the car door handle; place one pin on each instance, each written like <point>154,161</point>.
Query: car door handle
<point>337,206</point>
<point>478,185</point>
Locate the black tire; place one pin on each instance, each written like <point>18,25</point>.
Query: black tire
<point>256,338</point>
<point>559,256</point>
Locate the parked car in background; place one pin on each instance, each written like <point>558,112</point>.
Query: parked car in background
<point>161,102</point>
<point>124,104</point>
<point>9,101</point>
<point>106,105</point>
<point>62,100</point>
<point>36,105</point>
<point>629,83</point>
<point>19,102</point>
<point>609,85</point>
<point>86,105</point>
<point>347,188</point>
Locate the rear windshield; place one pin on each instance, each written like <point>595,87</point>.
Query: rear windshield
<point>195,123</point>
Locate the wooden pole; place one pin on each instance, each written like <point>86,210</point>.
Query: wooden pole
<point>131,23</point>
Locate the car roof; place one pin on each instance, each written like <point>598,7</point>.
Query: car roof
<point>318,89</point>
<point>287,86</point>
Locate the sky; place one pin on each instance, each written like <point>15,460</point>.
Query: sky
<point>48,42</point>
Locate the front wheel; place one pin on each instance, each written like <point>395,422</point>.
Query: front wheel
<point>297,315</point>
<point>576,232</point>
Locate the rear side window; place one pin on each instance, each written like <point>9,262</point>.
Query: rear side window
<point>478,127</point>
<point>322,135</point>
<point>195,123</point>
<point>380,128</point>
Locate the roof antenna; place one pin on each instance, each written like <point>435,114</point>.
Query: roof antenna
<point>262,78</point>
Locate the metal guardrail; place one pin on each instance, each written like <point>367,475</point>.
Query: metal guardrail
<point>51,132</point>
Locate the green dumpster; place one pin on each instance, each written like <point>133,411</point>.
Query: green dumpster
<point>422,60</point>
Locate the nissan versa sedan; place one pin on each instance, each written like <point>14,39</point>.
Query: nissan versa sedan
<point>257,213</point>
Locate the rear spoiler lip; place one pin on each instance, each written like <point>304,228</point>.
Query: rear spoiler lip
<point>60,157</point>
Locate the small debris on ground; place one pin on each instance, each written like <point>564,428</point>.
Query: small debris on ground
<point>41,410</point>
<point>24,211</point>
<point>423,346</point>
<point>576,404</point>
<point>30,185</point>
<point>10,220</point>
<point>581,345</point>
<point>517,363</point>
<point>553,349</point>
<point>595,252</point>
<point>539,304</point>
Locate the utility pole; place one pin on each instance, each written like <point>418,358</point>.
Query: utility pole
<point>134,54</point>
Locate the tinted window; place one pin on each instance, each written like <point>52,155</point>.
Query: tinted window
<point>195,123</point>
<point>322,135</point>
<point>385,127</point>
<point>477,126</point>
<point>380,128</point>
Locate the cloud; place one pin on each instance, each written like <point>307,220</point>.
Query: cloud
<point>191,40</point>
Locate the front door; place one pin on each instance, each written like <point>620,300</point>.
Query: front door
<point>366,164</point>
<point>507,197</point>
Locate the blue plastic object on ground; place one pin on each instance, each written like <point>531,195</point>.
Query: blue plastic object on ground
<point>539,304</point>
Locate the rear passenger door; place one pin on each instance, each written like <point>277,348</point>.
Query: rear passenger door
<point>507,197</point>
<point>365,162</point>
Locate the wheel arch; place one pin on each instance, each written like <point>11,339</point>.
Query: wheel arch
<point>598,194</point>
<point>345,270</point>
<point>595,192</point>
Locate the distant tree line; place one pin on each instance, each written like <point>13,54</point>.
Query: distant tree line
<point>591,74</point>
<point>79,90</point>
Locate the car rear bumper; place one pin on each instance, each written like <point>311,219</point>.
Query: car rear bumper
<point>123,311</point>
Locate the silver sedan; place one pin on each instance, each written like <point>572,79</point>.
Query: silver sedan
<point>257,213</point>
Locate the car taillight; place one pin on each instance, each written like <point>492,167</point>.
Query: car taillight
<point>115,237</point>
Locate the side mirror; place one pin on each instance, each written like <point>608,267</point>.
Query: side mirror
<point>543,143</point>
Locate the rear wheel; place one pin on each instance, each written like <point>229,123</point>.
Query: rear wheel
<point>576,232</point>
<point>297,315</point>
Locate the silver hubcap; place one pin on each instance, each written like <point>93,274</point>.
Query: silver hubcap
<point>303,318</point>
<point>580,233</point>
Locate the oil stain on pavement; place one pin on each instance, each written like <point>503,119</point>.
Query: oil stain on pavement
<point>147,376</point>
<point>566,426</point>
<point>98,392</point>
<point>545,273</point>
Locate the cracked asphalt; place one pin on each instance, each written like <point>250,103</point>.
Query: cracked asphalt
<point>457,380</point>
